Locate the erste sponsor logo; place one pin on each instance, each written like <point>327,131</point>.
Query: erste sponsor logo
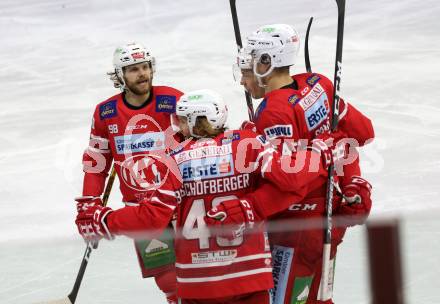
<point>206,168</point>
<point>317,113</point>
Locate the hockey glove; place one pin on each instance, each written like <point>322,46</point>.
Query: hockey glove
<point>84,202</point>
<point>356,204</point>
<point>90,219</point>
<point>230,218</point>
<point>248,125</point>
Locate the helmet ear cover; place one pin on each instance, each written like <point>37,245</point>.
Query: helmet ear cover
<point>265,59</point>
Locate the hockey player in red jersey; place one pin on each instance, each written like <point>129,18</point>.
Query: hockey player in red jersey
<point>298,108</point>
<point>124,128</point>
<point>226,266</point>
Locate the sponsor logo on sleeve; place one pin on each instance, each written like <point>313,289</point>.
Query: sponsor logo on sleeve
<point>230,138</point>
<point>312,80</point>
<point>176,150</point>
<point>144,142</point>
<point>317,113</point>
<point>166,103</point>
<point>278,131</point>
<point>206,168</point>
<point>108,110</point>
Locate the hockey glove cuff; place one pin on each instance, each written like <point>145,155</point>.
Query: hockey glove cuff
<point>85,202</point>
<point>356,204</point>
<point>91,221</point>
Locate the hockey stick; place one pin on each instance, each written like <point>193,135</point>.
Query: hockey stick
<point>306,47</point>
<point>250,106</point>
<point>323,294</point>
<point>71,298</point>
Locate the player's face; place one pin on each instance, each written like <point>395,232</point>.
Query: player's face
<point>250,83</point>
<point>138,78</point>
<point>183,126</point>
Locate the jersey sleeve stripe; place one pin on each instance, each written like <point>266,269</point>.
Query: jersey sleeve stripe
<point>98,138</point>
<point>98,150</point>
<point>261,154</point>
<point>131,204</point>
<point>265,165</point>
<point>344,111</point>
<point>224,277</point>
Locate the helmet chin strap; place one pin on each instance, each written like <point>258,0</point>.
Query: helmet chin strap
<point>261,76</point>
<point>121,80</point>
<point>260,82</point>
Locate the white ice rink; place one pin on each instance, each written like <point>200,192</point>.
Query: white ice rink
<point>54,56</point>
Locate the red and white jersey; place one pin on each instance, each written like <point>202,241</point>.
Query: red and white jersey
<point>212,171</point>
<point>303,111</point>
<point>124,133</point>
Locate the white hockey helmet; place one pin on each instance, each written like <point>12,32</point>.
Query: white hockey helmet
<point>202,103</point>
<point>244,62</point>
<point>129,54</point>
<point>277,44</point>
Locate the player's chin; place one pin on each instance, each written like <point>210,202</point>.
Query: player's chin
<point>141,88</point>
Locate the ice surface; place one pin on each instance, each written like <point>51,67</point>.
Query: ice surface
<point>53,60</point>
